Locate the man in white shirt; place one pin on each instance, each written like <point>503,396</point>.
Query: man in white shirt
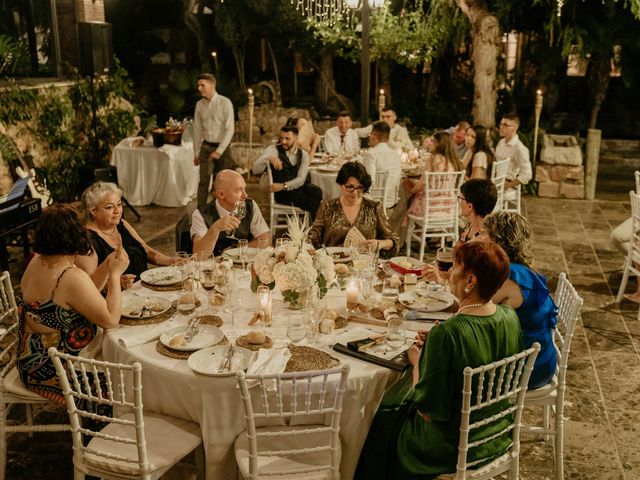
<point>381,158</point>
<point>213,127</point>
<point>398,137</point>
<point>211,226</point>
<point>341,138</point>
<point>510,146</point>
<point>290,168</point>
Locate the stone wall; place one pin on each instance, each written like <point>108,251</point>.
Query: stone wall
<point>560,174</point>
<point>91,10</point>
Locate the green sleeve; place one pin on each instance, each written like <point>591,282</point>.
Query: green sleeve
<point>433,394</point>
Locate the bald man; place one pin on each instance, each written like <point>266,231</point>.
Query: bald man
<point>212,225</point>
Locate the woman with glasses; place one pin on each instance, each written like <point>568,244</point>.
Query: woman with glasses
<point>479,157</point>
<point>351,209</point>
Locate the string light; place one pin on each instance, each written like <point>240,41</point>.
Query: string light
<point>329,11</point>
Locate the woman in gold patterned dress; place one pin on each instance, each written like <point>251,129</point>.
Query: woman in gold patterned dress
<point>337,216</point>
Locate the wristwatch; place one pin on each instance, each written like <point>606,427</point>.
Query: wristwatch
<point>285,187</point>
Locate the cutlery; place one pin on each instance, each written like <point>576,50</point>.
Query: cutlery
<point>227,356</point>
<point>192,331</point>
<point>233,351</point>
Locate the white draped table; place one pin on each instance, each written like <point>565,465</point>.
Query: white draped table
<point>164,176</point>
<point>170,387</point>
<point>327,183</point>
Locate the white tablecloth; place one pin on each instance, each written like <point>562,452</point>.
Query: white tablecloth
<point>327,183</point>
<point>171,387</point>
<point>165,176</point>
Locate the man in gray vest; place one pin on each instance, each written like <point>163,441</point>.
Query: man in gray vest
<point>289,168</point>
<point>212,225</point>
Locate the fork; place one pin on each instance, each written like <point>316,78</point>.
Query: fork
<point>226,359</point>
<point>192,331</point>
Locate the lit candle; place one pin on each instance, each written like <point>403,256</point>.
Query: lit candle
<point>264,299</point>
<point>353,290</point>
<point>214,55</point>
<point>381,102</point>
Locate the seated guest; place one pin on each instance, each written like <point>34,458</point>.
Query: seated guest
<point>380,158</point>
<point>398,137</point>
<point>458,135</point>
<point>479,157</point>
<point>526,290</point>
<point>419,437</point>
<point>308,140</point>
<point>341,138</point>
<point>60,306</point>
<point>510,146</point>
<point>290,167</point>
<point>336,217</point>
<point>102,209</point>
<point>210,228</point>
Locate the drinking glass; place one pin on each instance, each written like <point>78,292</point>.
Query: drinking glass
<point>239,211</point>
<point>317,309</point>
<point>444,258</point>
<point>297,329</point>
<point>208,275</point>
<point>187,301</point>
<point>396,335</point>
<point>366,289</point>
<point>282,241</point>
<point>389,288</point>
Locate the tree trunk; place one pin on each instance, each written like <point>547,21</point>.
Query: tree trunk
<point>276,72</point>
<point>193,24</point>
<point>598,79</point>
<point>238,56</point>
<point>485,32</point>
<point>325,83</point>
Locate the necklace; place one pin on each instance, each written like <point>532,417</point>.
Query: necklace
<point>108,233</point>
<point>471,305</point>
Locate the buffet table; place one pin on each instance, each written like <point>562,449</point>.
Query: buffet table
<point>170,387</point>
<point>163,176</point>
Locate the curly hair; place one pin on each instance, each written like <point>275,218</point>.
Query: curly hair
<point>512,232</point>
<point>60,231</point>
<point>94,195</point>
<point>357,171</point>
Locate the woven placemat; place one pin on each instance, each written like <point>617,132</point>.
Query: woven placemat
<point>306,359</point>
<point>162,349</point>
<point>148,321</point>
<point>213,320</point>
<point>243,342</point>
<point>341,322</point>
<point>162,288</point>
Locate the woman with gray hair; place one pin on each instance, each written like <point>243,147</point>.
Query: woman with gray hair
<point>102,209</point>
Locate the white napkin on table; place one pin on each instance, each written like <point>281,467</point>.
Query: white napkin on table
<point>129,337</point>
<point>269,361</point>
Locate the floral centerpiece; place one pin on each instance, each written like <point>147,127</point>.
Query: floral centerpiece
<point>294,267</point>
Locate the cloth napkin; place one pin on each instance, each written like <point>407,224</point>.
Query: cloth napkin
<point>129,337</point>
<point>354,237</point>
<point>269,361</point>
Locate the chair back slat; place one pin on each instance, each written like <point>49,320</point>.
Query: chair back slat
<point>499,171</point>
<point>569,304</point>
<point>506,382</point>
<point>636,174</point>
<point>8,307</point>
<point>312,401</point>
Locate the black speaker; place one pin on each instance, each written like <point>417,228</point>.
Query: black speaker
<point>96,48</point>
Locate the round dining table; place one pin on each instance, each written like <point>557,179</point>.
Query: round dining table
<point>170,387</point>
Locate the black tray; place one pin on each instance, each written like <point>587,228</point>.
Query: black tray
<point>399,363</point>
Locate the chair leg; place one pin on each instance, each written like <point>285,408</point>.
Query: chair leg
<point>546,421</point>
<point>407,238</point>
<point>559,443</point>
<point>3,440</point>
<point>78,474</point>
<point>135,212</point>
<point>623,282</point>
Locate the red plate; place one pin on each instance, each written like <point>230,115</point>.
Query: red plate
<point>398,264</point>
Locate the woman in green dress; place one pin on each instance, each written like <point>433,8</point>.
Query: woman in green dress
<point>419,438</point>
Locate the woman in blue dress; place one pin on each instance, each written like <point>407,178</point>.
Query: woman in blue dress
<point>526,291</point>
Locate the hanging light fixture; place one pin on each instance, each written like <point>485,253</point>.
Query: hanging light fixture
<point>321,10</point>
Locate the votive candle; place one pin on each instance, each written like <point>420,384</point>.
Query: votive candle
<point>353,291</point>
<point>264,299</point>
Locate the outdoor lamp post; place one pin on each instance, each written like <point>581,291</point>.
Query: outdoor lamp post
<point>251,105</point>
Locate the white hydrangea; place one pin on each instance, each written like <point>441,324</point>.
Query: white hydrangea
<point>324,266</point>
<point>294,276</point>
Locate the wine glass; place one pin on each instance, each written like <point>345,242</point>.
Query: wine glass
<point>317,309</point>
<point>366,289</point>
<point>239,211</point>
<point>243,249</point>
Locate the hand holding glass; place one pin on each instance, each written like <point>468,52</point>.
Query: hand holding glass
<point>239,211</point>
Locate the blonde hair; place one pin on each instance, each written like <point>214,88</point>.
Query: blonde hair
<point>512,232</point>
<point>94,195</point>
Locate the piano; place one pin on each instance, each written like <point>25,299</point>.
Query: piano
<point>18,213</point>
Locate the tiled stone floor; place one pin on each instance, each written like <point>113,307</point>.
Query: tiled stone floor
<point>602,426</point>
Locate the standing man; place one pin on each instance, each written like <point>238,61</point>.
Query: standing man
<point>289,168</point>
<point>342,138</point>
<point>213,127</point>
<point>381,158</point>
<point>211,226</point>
<point>511,147</point>
<point>398,137</point>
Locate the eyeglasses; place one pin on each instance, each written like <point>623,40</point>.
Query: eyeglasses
<point>504,124</point>
<point>462,198</point>
<point>353,188</point>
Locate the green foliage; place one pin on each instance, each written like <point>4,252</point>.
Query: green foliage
<point>14,56</point>
<point>55,120</point>
<point>16,104</point>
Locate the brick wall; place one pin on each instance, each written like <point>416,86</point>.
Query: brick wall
<point>90,10</point>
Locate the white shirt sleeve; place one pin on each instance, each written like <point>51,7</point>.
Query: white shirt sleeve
<point>258,224</point>
<point>198,226</point>
<point>331,141</point>
<point>523,164</point>
<point>364,132</point>
<point>197,128</point>
<point>229,126</point>
<point>369,162</point>
<point>303,171</point>
<point>260,165</point>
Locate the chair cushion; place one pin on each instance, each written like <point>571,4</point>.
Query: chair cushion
<point>168,440</point>
<point>16,392</point>
<point>267,464</point>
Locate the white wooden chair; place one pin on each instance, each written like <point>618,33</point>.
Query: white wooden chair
<point>379,191</point>
<point>293,422</point>
<point>633,257</point>
<point>440,218</point>
<point>551,396</point>
<point>636,174</point>
<point>131,446</point>
<point>499,171</point>
<point>12,391</point>
<point>279,212</point>
<point>504,380</point>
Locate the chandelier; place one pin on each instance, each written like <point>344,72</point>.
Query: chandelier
<point>329,11</point>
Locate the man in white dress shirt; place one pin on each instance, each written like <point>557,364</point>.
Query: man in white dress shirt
<point>211,226</point>
<point>398,137</point>
<point>510,146</point>
<point>381,158</point>
<point>289,169</point>
<point>213,127</point>
<point>342,138</point>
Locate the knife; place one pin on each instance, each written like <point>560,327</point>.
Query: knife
<point>227,356</point>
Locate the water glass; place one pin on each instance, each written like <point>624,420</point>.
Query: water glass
<point>390,288</point>
<point>208,275</point>
<point>366,288</point>
<point>396,335</point>
<point>187,301</point>
<point>297,329</point>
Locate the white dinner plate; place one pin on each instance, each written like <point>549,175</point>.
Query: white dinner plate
<point>209,360</point>
<point>233,254</point>
<point>207,335</point>
<point>134,306</point>
<point>319,160</point>
<point>328,168</point>
<point>337,253</point>
<point>162,276</point>
<point>427,300</point>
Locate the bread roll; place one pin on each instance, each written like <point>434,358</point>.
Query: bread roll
<point>178,341</point>
<point>395,281</point>
<point>341,268</point>
<point>331,315</point>
<point>256,337</point>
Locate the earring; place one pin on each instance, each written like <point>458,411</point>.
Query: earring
<point>466,290</point>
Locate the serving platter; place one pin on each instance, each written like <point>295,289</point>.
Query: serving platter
<point>208,361</point>
<point>162,276</point>
<point>427,300</point>
<point>207,336</point>
<point>135,306</point>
